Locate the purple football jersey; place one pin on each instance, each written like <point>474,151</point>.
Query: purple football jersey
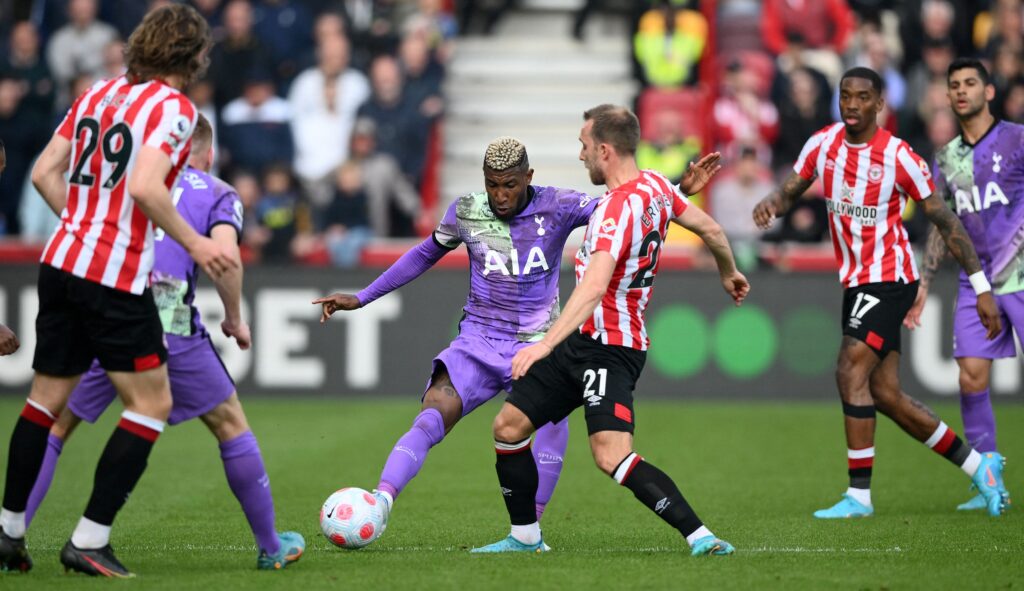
<point>204,201</point>
<point>984,185</point>
<point>513,286</point>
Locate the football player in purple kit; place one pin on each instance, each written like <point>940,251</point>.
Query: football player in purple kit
<point>200,384</point>
<point>515,233</point>
<point>981,174</point>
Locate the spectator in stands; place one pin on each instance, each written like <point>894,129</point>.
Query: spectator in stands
<point>423,75</point>
<point>437,27</point>
<point>669,151</point>
<point>668,43</point>
<point>1009,27</point>
<point>936,55</point>
<point>393,204</point>
<point>213,12</point>
<point>733,196</point>
<point>1007,66</point>
<point>77,48</point>
<point>492,14</point>
<point>792,60</point>
<point>285,29</point>
<point>874,55</point>
<point>801,114</point>
<point>741,117</point>
<point>113,60</point>
<point>347,221</point>
<point>255,128</point>
<point>201,95</point>
<point>254,234</point>
<point>22,143</point>
<point>24,63</point>
<point>324,101</point>
<point>239,53</point>
<point>402,131</point>
<point>1013,105</point>
<point>372,28</point>
<point>825,26</point>
<point>277,212</point>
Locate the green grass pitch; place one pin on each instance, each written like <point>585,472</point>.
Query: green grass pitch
<point>754,472</point>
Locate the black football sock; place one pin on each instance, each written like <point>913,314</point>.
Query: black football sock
<point>656,490</point>
<point>517,474</point>
<point>25,456</point>
<point>121,465</point>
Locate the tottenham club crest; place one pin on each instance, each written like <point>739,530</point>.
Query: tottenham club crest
<point>996,159</point>
<point>540,224</point>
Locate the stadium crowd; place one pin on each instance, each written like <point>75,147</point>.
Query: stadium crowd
<point>325,112</point>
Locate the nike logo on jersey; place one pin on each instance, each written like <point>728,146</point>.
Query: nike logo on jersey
<point>476,233</point>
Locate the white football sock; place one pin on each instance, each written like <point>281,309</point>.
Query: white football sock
<point>90,535</point>
<point>861,495</point>
<point>387,497</point>
<point>527,534</point>
<point>13,523</point>
<point>971,464</point>
<point>701,532</point>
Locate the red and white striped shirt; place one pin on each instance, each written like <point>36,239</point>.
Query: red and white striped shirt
<point>103,237</point>
<point>630,223</point>
<point>866,187</point>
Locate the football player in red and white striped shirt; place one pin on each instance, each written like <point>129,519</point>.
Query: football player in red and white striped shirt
<point>123,144</point>
<point>868,174</point>
<point>597,366</point>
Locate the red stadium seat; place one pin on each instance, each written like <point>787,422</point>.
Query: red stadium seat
<point>691,103</point>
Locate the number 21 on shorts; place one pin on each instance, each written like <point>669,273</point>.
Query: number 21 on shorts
<point>592,396</point>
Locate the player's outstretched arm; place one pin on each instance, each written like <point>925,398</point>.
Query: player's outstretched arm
<point>578,308</point>
<point>703,225</point>
<point>409,266</point>
<point>959,243</point>
<point>146,186</point>
<point>779,201</point>
<point>935,251</point>
<point>699,173</point>
<point>8,341</point>
<point>229,287</point>
<point>48,173</point>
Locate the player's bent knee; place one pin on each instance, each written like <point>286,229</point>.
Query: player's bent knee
<point>512,425</point>
<point>609,448</point>
<point>227,420</point>
<point>974,377</point>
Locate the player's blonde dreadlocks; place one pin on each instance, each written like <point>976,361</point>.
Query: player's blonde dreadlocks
<point>506,153</point>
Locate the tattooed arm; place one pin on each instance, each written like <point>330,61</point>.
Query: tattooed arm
<point>959,243</point>
<point>934,253</point>
<point>952,232</point>
<point>780,200</point>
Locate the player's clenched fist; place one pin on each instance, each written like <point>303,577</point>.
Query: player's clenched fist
<point>335,302</point>
<point>8,341</point>
<point>764,212</point>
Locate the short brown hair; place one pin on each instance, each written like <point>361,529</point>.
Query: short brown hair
<point>202,136</point>
<point>616,126</point>
<point>170,40</point>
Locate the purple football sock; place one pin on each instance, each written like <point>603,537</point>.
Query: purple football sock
<point>54,445</point>
<point>548,453</point>
<point>410,451</point>
<point>243,465</point>
<point>979,422</point>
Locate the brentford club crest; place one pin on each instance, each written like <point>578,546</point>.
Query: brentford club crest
<point>875,173</point>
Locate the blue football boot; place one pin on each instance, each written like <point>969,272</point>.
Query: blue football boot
<point>846,508</point>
